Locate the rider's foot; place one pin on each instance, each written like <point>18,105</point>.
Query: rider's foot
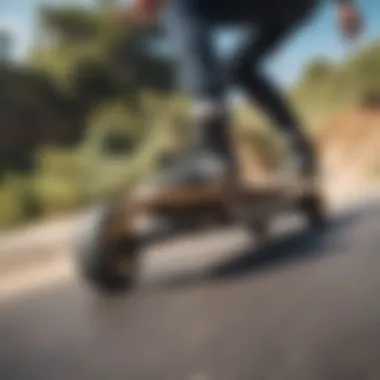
<point>209,159</point>
<point>302,163</point>
<point>196,168</point>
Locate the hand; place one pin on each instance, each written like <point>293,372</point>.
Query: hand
<point>349,20</point>
<point>145,11</point>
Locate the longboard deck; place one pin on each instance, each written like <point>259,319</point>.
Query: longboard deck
<point>217,195</point>
<point>212,202</point>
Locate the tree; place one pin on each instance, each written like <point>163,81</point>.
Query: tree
<point>123,54</point>
<point>89,62</point>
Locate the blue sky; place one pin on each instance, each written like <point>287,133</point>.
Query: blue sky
<point>318,38</point>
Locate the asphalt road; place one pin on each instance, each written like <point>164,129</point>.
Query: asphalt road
<point>306,307</point>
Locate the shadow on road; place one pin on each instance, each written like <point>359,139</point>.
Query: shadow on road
<point>301,245</point>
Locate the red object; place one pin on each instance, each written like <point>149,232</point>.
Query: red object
<point>146,10</point>
<point>350,20</point>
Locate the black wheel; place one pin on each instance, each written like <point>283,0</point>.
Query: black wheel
<point>314,209</point>
<point>107,259</point>
<point>260,230</point>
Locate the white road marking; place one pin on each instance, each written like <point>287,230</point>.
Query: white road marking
<point>30,280</point>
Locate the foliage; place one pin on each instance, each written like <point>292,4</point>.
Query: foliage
<point>324,86</point>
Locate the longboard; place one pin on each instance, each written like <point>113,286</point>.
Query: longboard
<point>108,252</point>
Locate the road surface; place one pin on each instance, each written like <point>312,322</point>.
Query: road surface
<point>305,308</point>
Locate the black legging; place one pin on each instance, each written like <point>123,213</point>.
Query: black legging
<point>191,23</point>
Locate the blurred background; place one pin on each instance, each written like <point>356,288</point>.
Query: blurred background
<point>89,108</point>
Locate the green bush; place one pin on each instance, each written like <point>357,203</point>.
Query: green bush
<point>57,195</point>
<point>10,206</point>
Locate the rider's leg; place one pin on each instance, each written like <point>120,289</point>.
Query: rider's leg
<point>200,72</point>
<point>209,156</point>
<point>247,73</point>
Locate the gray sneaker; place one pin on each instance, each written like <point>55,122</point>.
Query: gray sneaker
<point>195,168</point>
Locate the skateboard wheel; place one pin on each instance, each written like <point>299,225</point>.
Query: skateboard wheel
<point>315,211</point>
<point>106,258</point>
<point>260,231</point>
